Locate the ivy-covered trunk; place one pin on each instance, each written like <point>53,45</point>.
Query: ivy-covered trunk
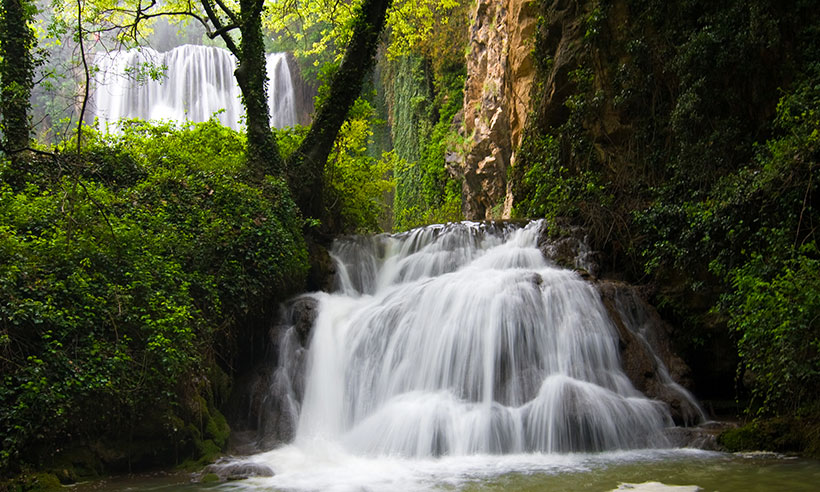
<point>16,73</point>
<point>251,75</point>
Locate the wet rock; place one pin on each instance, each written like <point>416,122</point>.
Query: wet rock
<point>646,354</point>
<point>321,267</point>
<point>233,470</point>
<point>266,400</point>
<point>570,249</point>
<point>301,313</point>
<point>700,437</point>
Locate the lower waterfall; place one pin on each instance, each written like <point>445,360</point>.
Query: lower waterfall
<point>195,82</point>
<point>453,342</point>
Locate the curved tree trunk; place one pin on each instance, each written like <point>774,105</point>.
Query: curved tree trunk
<point>307,163</point>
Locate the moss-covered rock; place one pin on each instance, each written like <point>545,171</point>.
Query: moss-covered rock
<point>797,433</point>
<point>209,478</point>
<point>32,482</point>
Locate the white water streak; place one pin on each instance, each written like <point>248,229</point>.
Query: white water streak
<point>197,82</point>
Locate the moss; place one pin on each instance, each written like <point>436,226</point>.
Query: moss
<point>744,438</point>
<point>217,428</point>
<point>32,482</point>
<point>75,464</point>
<point>209,451</point>
<point>797,433</point>
<point>209,478</point>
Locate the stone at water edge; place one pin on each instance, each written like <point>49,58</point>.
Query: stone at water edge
<point>235,470</point>
<point>655,487</point>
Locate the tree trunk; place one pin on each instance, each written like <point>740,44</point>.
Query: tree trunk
<point>251,75</point>
<point>307,163</point>
<point>16,72</point>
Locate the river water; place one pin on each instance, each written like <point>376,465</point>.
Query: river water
<point>601,472</point>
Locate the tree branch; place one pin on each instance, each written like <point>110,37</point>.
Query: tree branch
<point>85,72</point>
<point>221,31</point>
<point>230,13</point>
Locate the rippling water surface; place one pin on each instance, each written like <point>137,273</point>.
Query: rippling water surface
<point>603,472</point>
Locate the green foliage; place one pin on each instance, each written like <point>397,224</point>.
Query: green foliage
<point>557,192</point>
<point>120,271</point>
<point>774,300</point>
<point>318,30</point>
<point>424,101</point>
<point>357,184</point>
<point>776,312</point>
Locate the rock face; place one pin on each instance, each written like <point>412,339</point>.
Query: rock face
<point>646,354</point>
<point>265,403</point>
<point>496,102</point>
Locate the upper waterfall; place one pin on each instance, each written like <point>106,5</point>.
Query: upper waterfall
<point>464,339</point>
<point>197,81</point>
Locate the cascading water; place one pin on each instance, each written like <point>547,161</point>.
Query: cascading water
<point>444,345</point>
<point>197,81</point>
<point>460,340</point>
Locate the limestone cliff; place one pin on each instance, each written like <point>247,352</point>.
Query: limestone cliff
<point>496,102</point>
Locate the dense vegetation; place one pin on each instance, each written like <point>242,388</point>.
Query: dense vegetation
<point>687,146</point>
<point>127,274</point>
<point>424,90</point>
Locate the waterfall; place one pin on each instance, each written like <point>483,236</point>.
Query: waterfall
<point>195,83</point>
<point>463,339</point>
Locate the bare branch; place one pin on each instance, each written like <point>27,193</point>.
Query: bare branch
<point>86,73</point>
<point>27,149</point>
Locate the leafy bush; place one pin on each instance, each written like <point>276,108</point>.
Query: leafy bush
<point>358,184</point>
<point>776,312</point>
<point>774,300</point>
<point>120,270</point>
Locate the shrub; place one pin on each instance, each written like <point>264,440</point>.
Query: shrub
<point>117,279</point>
